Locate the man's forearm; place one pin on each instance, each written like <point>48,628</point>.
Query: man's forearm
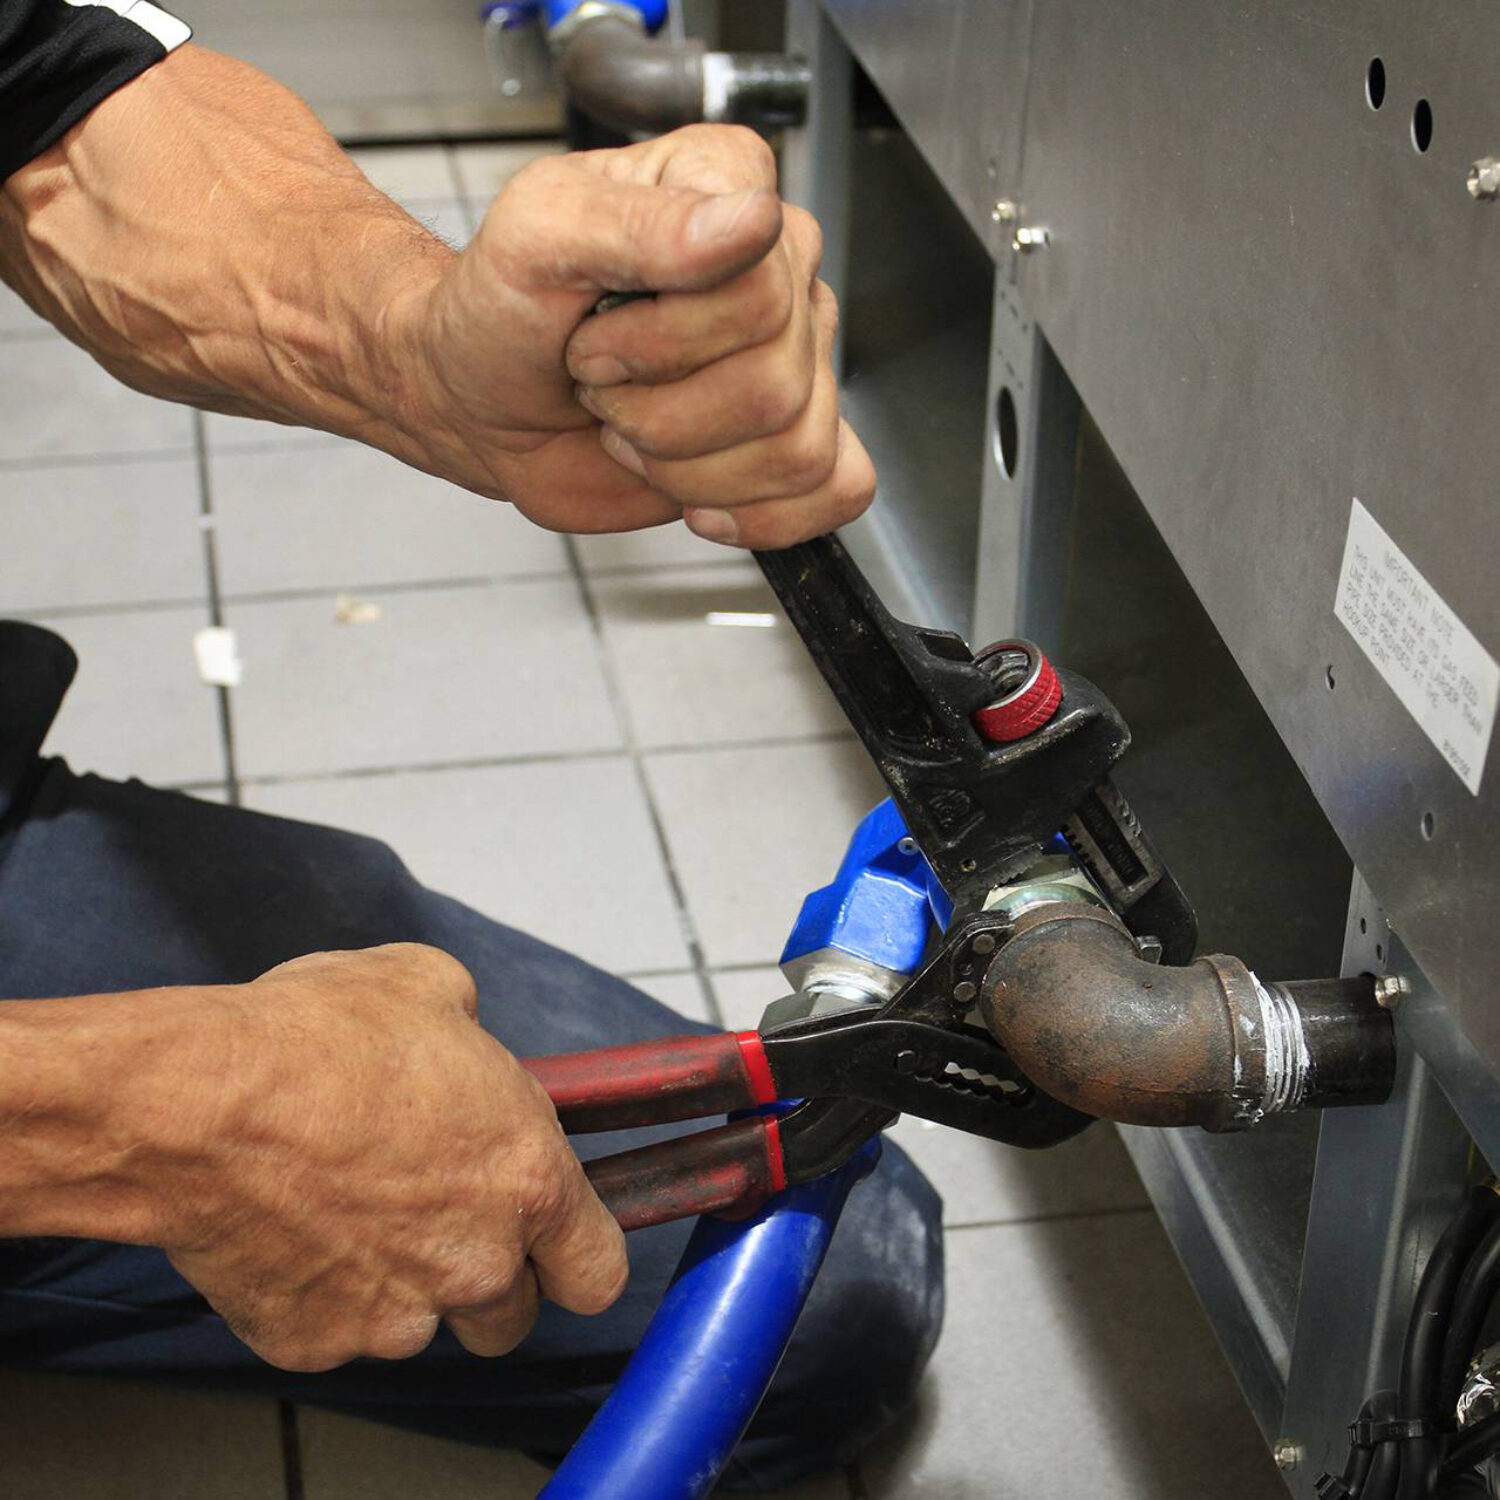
<point>204,238</point>
<point>85,1084</point>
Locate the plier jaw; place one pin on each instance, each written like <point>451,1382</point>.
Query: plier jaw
<point>852,1073</point>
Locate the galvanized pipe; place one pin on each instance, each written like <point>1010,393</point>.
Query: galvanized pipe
<point>1097,1026</point>
<point>622,78</point>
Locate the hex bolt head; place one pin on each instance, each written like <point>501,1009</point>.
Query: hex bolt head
<point>1484,178</point>
<point>984,943</point>
<point>1029,237</point>
<point>964,992</point>
<point>1390,990</point>
<point>1286,1453</point>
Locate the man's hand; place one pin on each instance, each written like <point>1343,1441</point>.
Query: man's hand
<point>206,240</point>
<point>716,399</point>
<point>336,1156</point>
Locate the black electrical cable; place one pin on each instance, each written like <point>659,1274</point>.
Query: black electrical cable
<point>1473,1445</point>
<point>1460,1279</point>
<point>1471,1305</point>
<point>1419,1391</point>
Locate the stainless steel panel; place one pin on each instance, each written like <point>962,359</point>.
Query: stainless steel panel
<point>954,71</point>
<point>1271,303</point>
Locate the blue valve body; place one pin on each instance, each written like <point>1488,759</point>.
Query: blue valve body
<point>882,903</point>
<point>653,12</point>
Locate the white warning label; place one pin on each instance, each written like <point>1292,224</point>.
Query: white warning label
<point>1447,681</point>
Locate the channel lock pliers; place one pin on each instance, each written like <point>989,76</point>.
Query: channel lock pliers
<point>989,759</point>
<point>856,1071</point>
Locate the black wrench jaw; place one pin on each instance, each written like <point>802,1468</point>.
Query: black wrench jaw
<point>980,811</point>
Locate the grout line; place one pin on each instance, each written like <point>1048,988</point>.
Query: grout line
<point>291,1452</point>
<point>400,586</point>
<point>95,611</point>
<point>215,603</point>
<point>542,758</point>
<point>95,460</point>
<point>685,921</point>
<point>1061,1216</point>
<point>422,768</point>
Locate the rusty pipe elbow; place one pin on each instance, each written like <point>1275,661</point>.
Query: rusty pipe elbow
<point>1093,1024</point>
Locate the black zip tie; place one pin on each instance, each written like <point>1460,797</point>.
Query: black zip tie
<point>1368,1433</point>
<point>1332,1487</point>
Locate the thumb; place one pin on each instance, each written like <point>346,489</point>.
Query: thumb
<point>634,237</point>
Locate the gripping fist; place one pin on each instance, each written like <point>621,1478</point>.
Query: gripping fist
<point>713,402</point>
<point>373,1163</point>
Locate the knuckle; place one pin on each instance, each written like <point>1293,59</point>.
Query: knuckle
<point>772,405</point>
<point>482,1280</point>
<point>400,1341</point>
<point>305,1356</point>
<point>807,461</point>
<point>805,235</point>
<point>767,303</point>
<point>659,431</point>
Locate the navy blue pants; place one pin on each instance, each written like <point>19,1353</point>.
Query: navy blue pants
<point>108,886</point>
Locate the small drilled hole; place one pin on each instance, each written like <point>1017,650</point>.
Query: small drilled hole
<point>1364,927</point>
<point>1375,83</point>
<point>1380,952</point>
<point>1007,432</point>
<point>1421,125</point>
<point>1429,825</point>
<point>1328,677</point>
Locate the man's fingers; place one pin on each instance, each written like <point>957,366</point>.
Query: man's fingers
<point>584,491</point>
<point>668,338</point>
<point>749,395</point>
<point>711,158</point>
<point>587,231</point>
<point>780,523</point>
<point>577,1248</point>
<point>496,1327</point>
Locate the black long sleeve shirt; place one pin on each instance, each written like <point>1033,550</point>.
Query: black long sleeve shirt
<point>59,58</point>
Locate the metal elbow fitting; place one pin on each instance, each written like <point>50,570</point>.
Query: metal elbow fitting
<point>1096,1026</point>
<point>622,78</point>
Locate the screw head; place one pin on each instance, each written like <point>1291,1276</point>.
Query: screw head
<point>906,1062</point>
<point>964,992</point>
<point>1484,178</point>
<point>985,943</point>
<point>1005,211</point>
<point>1390,990</point>
<point>1286,1453</point>
<point>1029,237</point>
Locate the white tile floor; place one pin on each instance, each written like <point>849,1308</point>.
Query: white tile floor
<point>511,705</point>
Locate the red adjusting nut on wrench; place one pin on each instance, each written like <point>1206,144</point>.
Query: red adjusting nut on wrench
<point>1034,691</point>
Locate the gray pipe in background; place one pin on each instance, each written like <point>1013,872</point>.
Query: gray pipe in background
<point>616,74</point>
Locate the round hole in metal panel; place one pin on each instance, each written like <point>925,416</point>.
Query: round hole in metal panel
<point>1429,825</point>
<point>1007,432</point>
<point>1421,125</point>
<point>1375,83</point>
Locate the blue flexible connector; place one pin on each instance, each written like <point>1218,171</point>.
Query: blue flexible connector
<point>653,12</point>
<point>703,1366</point>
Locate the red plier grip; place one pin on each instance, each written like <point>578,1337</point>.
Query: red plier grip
<point>730,1170</point>
<point>649,1083</point>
